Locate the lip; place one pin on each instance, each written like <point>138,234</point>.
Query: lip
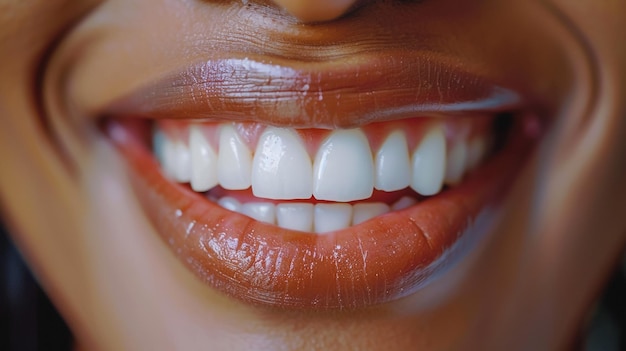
<point>378,261</point>
<point>381,260</point>
<point>329,94</point>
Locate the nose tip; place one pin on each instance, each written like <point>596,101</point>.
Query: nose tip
<point>316,10</point>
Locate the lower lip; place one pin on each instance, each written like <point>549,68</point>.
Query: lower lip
<point>381,260</point>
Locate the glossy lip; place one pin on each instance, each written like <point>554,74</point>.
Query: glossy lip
<point>378,261</point>
<point>381,260</point>
<point>369,88</point>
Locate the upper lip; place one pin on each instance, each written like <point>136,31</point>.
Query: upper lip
<point>375,262</point>
<point>371,87</point>
<point>351,268</point>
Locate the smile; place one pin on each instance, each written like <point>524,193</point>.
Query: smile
<point>277,190</point>
<point>262,171</point>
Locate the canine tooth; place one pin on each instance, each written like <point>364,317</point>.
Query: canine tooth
<point>203,161</point>
<point>475,152</point>
<point>393,170</point>
<point>182,162</point>
<point>281,168</point>
<point>368,210</point>
<point>234,161</point>
<point>261,211</point>
<point>429,162</point>
<point>230,203</point>
<point>404,202</point>
<point>343,168</point>
<point>330,217</point>
<point>296,216</point>
<point>455,164</point>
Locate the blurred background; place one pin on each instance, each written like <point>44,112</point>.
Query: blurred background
<point>28,321</point>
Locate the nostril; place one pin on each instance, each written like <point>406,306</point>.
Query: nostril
<point>316,10</point>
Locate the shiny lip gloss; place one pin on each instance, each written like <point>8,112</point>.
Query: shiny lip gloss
<point>381,260</point>
<point>318,95</point>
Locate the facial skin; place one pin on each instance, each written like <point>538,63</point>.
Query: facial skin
<point>65,192</point>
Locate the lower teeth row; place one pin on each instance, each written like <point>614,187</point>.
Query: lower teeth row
<point>344,170</point>
<point>307,217</point>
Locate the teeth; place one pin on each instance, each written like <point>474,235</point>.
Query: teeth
<point>343,168</point>
<point>307,217</point>
<point>230,203</point>
<point>173,156</point>
<point>367,211</point>
<point>158,144</point>
<point>429,163</point>
<point>168,157</point>
<point>404,202</point>
<point>234,162</point>
<point>281,168</point>
<point>456,160</point>
<point>261,211</point>
<point>203,161</point>
<point>182,162</point>
<point>331,217</point>
<point>392,164</point>
<point>476,151</point>
<point>296,216</point>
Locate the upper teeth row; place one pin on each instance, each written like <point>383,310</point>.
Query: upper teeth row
<point>344,168</point>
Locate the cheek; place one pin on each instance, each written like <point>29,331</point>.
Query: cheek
<point>122,260</point>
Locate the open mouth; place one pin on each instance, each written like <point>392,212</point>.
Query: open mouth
<point>333,180</point>
<point>302,211</point>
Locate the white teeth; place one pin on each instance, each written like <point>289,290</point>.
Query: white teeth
<point>281,168</point>
<point>168,157</point>
<point>182,163</point>
<point>456,160</point>
<point>367,211</point>
<point>203,161</point>
<point>261,211</point>
<point>173,156</point>
<point>343,168</point>
<point>234,162</point>
<point>158,143</point>
<point>306,217</point>
<point>230,203</point>
<point>393,171</point>
<point>476,151</point>
<point>404,202</point>
<point>429,162</point>
<point>331,217</point>
<point>295,216</point>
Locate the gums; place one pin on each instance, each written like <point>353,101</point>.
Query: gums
<point>384,259</point>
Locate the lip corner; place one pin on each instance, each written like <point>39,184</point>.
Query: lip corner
<point>261,264</point>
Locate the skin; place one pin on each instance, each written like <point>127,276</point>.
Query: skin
<point>66,199</point>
